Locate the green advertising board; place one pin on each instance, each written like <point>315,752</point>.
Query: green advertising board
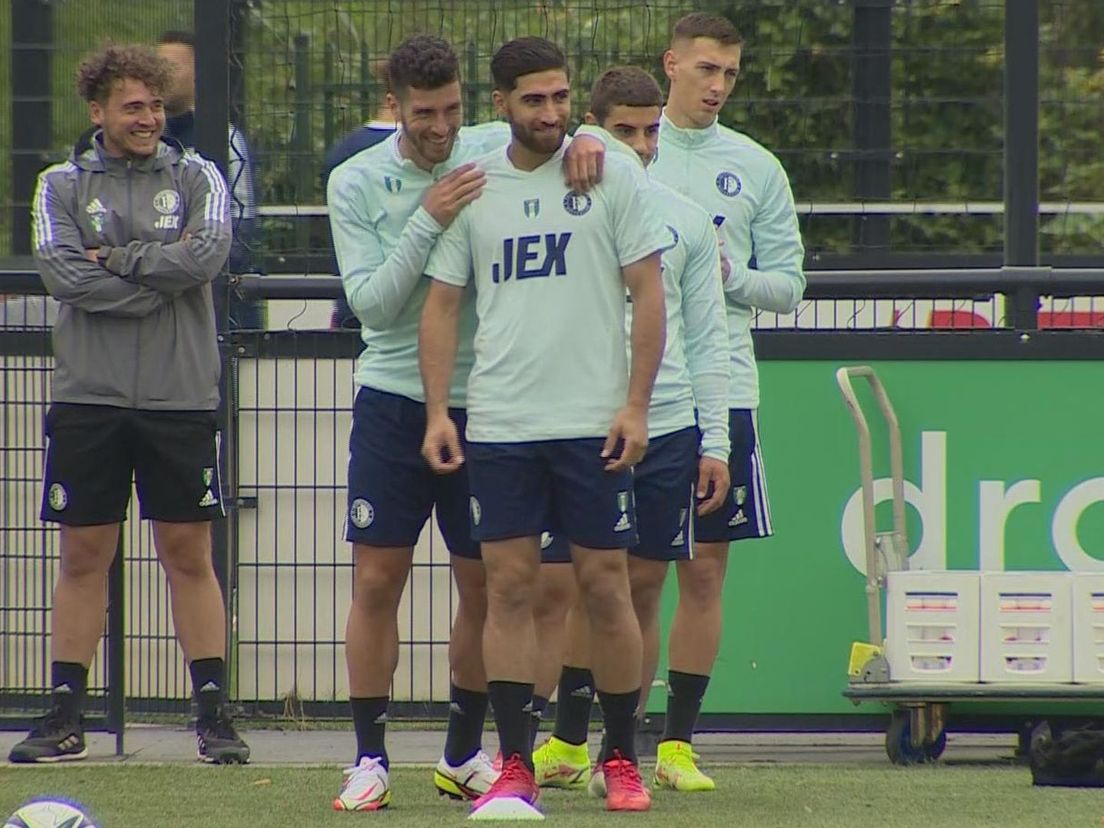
<point>1004,470</point>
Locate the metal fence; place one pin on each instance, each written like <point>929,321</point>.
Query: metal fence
<point>838,90</point>
<point>888,114</point>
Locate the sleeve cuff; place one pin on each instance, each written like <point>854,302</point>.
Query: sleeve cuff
<point>113,261</point>
<point>424,221</point>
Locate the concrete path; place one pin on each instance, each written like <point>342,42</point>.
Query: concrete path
<point>159,744</point>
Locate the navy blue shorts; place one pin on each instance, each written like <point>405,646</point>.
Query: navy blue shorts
<point>746,514</point>
<point>521,489</point>
<point>664,483</point>
<point>554,548</point>
<point>392,490</point>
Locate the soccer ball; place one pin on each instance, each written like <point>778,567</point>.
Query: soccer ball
<point>48,813</point>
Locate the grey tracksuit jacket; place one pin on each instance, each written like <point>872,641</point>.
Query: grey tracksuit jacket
<point>137,329</point>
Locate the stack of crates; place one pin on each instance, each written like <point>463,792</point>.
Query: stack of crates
<point>995,627</point>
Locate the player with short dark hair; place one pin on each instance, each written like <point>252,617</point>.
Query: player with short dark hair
<point>685,471</point>
<point>745,189</point>
<point>128,235</point>
<point>388,206</point>
<point>556,415</point>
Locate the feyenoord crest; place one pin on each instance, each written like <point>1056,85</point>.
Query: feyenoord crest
<point>729,184</point>
<point>577,204</point>
<point>58,497</point>
<point>476,510</point>
<point>166,202</point>
<point>362,513</point>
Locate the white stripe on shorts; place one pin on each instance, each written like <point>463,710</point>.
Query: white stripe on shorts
<point>764,525</point>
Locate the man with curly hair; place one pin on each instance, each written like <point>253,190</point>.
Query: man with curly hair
<point>128,235</point>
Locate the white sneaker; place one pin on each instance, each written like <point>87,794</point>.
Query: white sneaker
<point>366,787</point>
<point>470,780</point>
<point>597,785</point>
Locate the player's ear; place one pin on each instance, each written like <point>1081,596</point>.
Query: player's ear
<point>500,102</point>
<point>95,112</point>
<point>669,61</point>
<point>590,119</point>
<point>393,105</point>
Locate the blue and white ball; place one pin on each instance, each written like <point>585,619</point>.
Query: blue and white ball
<point>48,813</point>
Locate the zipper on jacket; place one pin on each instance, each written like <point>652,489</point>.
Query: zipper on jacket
<point>130,235</point>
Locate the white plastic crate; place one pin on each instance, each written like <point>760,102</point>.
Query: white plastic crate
<point>1026,627</point>
<point>1088,627</point>
<point>932,621</point>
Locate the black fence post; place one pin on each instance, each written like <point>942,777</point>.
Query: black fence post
<point>116,646</point>
<point>1021,154</point>
<point>871,39</point>
<point>301,142</point>
<point>32,34</point>
<point>213,45</point>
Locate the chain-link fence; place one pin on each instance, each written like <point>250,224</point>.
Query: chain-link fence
<point>913,164</point>
<point>887,116</point>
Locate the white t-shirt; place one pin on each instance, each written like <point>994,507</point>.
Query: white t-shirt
<point>550,355</point>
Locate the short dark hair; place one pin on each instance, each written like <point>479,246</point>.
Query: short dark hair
<point>709,25</point>
<point>524,56</point>
<point>180,36</point>
<point>421,62</point>
<point>623,86</point>
<point>100,71</point>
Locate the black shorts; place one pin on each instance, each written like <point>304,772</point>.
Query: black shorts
<point>95,452</point>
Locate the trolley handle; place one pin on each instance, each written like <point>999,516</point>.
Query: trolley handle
<point>877,562</point>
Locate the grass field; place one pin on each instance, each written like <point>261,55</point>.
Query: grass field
<point>178,796</point>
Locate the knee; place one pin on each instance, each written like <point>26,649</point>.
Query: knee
<point>377,588</point>
<point>556,595</point>
<point>471,589</point>
<point>701,582</point>
<point>509,591</point>
<point>606,595</point>
<point>86,558</point>
<point>185,551</point>
<point>646,593</point>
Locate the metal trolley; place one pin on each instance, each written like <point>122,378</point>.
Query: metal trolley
<point>918,710</point>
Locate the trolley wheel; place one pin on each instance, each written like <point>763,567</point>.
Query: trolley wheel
<point>899,746</point>
<point>933,750</point>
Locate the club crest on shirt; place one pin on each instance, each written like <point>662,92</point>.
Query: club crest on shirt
<point>531,207</point>
<point>166,202</point>
<point>393,185</point>
<point>729,184</point>
<point>577,204</point>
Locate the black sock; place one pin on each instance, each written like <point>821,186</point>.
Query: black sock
<point>603,748</point>
<point>369,722</point>
<point>512,701</point>
<point>573,703</point>
<point>68,681</point>
<point>540,704</point>
<point>619,712</point>
<point>685,692</point>
<point>467,712</point>
<point>208,683</point>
